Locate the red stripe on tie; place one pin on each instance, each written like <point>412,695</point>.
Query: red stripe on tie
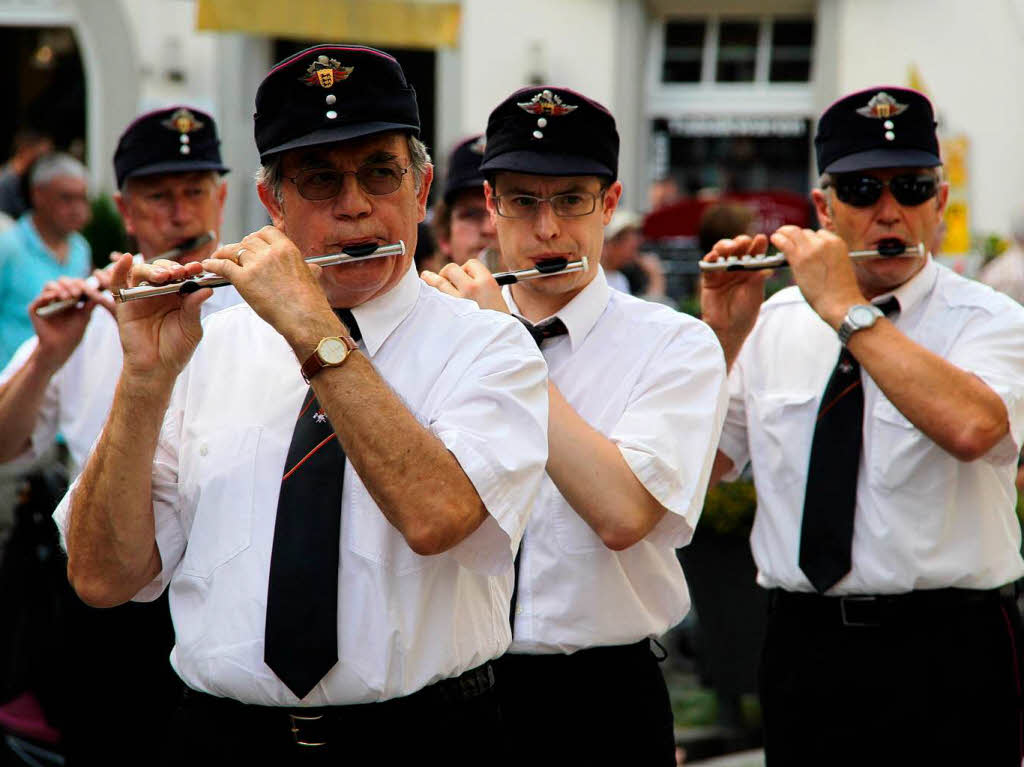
<point>308,455</point>
<point>841,394</point>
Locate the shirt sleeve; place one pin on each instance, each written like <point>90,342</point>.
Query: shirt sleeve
<point>44,431</point>
<point>670,429</point>
<point>989,346</point>
<point>733,443</point>
<point>494,421</point>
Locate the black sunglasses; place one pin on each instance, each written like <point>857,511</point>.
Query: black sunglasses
<point>862,191</point>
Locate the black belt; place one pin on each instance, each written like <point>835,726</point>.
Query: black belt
<point>313,726</point>
<point>860,610</point>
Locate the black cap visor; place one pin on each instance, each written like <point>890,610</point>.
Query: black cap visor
<point>340,133</point>
<point>177,166</point>
<point>884,158</point>
<point>545,164</point>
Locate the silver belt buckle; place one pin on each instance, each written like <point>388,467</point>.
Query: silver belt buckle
<point>851,600</point>
<point>296,732</point>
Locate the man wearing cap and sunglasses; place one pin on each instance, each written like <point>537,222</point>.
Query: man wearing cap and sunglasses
<point>881,404</point>
<point>344,467</point>
<point>637,397</point>
<point>170,191</point>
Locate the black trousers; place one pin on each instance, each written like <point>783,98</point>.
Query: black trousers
<point>453,722</point>
<point>931,677</point>
<point>601,706</point>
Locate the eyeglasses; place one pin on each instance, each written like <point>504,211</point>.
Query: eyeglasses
<point>862,191</point>
<point>567,205</point>
<point>325,183</point>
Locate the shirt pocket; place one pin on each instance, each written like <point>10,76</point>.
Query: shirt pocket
<point>895,451</point>
<point>219,471</point>
<point>573,534</point>
<point>784,431</point>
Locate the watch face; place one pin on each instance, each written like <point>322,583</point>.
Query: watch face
<point>861,316</point>
<point>332,351</point>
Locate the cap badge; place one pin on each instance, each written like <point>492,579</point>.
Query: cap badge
<point>479,146</point>
<point>325,72</point>
<point>882,106</point>
<point>546,103</point>
<point>183,121</point>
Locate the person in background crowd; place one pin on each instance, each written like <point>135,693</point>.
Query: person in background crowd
<point>881,405</point>
<point>28,146</point>
<point>334,486</point>
<point>461,223</point>
<point>627,268</point>
<point>637,396</point>
<point>44,245</point>
<point>62,380</point>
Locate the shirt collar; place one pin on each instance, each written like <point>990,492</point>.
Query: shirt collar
<point>913,291</point>
<point>379,316</point>
<point>581,313</point>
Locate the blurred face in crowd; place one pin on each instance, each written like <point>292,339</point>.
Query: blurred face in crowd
<point>529,232</point>
<point>471,230</point>
<point>60,206</point>
<point>864,227</point>
<point>163,210</point>
<point>352,216</point>
<point>621,249</point>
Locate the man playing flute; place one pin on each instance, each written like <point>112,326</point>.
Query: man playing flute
<point>341,474</point>
<point>637,398</point>
<point>61,381</point>
<point>881,404</point>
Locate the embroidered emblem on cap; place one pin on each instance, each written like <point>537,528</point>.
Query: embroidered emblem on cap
<point>882,106</point>
<point>325,72</point>
<point>479,146</point>
<point>184,122</point>
<point>546,103</point>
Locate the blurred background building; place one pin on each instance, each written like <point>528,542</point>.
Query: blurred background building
<point>714,98</point>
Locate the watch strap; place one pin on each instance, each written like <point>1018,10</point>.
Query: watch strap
<point>849,327</point>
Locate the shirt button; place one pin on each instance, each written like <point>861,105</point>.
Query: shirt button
<point>203,449</point>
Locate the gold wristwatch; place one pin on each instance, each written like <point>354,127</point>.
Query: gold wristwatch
<point>331,352</point>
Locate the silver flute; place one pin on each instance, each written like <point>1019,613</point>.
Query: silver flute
<point>208,280</point>
<point>763,261</point>
<point>543,269</point>
<point>176,252</point>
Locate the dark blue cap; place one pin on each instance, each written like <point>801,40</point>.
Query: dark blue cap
<point>331,93</point>
<point>176,139</point>
<point>882,127</point>
<point>464,167</point>
<point>551,131</point>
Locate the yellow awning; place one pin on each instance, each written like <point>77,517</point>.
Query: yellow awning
<point>396,23</point>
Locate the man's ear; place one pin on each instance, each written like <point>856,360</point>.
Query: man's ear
<point>823,209</point>
<point>424,191</point>
<point>122,208</point>
<point>611,201</point>
<point>275,209</point>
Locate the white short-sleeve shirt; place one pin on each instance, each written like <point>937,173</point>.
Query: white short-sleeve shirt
<point>653,381</point>
<point>923,519</point>
<point>474,379</point>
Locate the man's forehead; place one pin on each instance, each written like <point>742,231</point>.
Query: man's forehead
<point>163,180</point>
<point>507,181</point>
<point>384,146</point>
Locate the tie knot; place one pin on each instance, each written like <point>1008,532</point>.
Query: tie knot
<point>542,331</point>
<point>345,315</point>
<point>889,306</point>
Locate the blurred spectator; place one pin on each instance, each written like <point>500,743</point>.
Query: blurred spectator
<point>1005,273</point>
<point>461,221</point>
<point>44,245</point>
<point>625,267</point>
<point>663,192</point>
<point>427,256</point>
<point>29,146</point>
<point>723,221</point>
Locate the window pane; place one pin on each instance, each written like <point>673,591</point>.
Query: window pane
<point>737,51</point>
<point>684,51</point>
<point>792,43</point>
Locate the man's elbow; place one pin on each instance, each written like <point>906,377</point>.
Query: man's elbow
<point>436,534</point>
<point>95,592</point>
<point>621,534</point>
<point>977,438</point>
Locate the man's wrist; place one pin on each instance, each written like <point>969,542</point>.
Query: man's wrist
<point>304,339</point>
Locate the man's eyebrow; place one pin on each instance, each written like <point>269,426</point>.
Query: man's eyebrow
<point>313,159</point>
<point>571,188</point>
<point>380,156</point>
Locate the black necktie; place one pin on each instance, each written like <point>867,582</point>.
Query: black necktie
<point>301,637</point>
<point>542,331</point>
<point>826,533</point>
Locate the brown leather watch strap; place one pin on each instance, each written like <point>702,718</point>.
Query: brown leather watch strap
<point>315,363</point>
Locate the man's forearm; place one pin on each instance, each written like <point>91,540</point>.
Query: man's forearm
<point>21,397</point>
<point>111,537</point>
<point>417,483</point>
<point>595,479</point>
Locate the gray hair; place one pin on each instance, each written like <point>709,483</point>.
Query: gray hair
<point>56,165</point>
<point>269,173</point>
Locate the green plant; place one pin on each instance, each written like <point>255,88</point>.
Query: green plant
<point>729,508</point>
<point>105,231</point>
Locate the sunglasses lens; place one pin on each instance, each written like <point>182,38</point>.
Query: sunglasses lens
<point>912,190</point>
<point>859,191</point>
